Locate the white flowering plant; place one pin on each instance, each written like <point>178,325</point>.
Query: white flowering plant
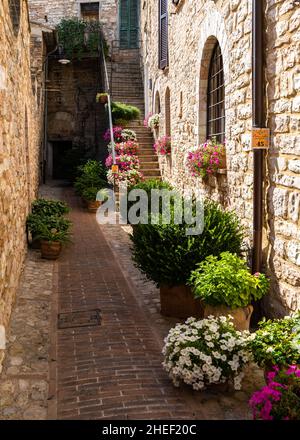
<point>153,121</point>
<point>205,352</point>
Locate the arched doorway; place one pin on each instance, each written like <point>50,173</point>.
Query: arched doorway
<point>129,24</point>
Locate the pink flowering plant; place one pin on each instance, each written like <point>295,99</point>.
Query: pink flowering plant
<point>205,159</point>
<point>124,161</point>
<point>129,147</point>
<point>117,131</point>
<point>130,177</point>
<point>163,146</point>
<point>280,398</point>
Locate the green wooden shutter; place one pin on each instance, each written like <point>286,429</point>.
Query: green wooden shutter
<point>163,34</point>
<point>129,24</point>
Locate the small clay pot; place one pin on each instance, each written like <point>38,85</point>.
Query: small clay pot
<point>50,249</point>
<point>93,205</point>
<point>241,315</point>
<point>103,99</point>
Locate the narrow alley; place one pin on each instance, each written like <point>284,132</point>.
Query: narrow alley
<point>110,369</point>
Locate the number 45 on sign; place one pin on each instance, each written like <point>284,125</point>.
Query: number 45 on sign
<point>260,138</point>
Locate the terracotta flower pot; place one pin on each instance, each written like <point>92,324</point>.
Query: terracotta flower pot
<point>179,302</point>
<point>241,315</point>
<point>103,99</point>
<point>50,249</point>
<point>93,205</point>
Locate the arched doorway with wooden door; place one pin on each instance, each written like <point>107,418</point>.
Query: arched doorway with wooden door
<point>129,24</point>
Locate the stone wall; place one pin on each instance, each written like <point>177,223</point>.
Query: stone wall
<point>194,27</point>
<point>19,153</point>
<point>51,12</point>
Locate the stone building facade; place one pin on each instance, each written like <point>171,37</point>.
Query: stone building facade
<point>179,92</point>
<point>20,139</point>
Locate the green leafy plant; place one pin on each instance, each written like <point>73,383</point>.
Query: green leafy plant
<point>78,36</point>
<point>277,342</point>
<point>53,235</point>
<point>148,186</point>
<point>226,280</point>
<point>93,194</point>
<point>124,112</point>
<point>167,255</point>
<point>92,175</point>
<point>46,207</point>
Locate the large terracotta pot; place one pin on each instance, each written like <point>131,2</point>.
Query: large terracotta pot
<point>241,315</point>
<point>50,249</point>
<point>93,205</point>
<point>179,302</point>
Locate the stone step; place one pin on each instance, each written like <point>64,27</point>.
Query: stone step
<point>151,172</point>
<point>149,165</point>
<point>147,158</point>
<point>152,177</point>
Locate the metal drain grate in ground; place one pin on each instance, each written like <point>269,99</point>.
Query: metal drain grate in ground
<point>79,319</point>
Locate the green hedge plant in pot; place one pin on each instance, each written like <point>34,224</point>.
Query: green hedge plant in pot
<point>226,286</point>
<point>52,238</point>
<point>49,207</point>
<point>94,197</point>
<point>277,343</point>
<point>167,255</point>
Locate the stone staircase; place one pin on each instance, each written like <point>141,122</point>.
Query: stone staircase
<point>127,87</point>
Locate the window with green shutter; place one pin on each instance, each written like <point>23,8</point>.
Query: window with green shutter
<point>163,34</point>
<point>129,24</point>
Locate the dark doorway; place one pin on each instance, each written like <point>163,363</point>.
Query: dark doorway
<point>129,24</point>
<point>60,151</point>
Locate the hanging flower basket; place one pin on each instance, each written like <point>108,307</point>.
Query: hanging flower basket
<point>163,146</point>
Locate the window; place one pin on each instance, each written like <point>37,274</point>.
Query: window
<point>216,97</point>
<point>15,11</point>
<point>163,34</point>
<point>90,11</point>
<point>168,112</point>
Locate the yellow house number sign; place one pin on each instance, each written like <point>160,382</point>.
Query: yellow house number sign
<point>260,138</point>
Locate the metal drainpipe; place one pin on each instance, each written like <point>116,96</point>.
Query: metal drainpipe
<point>259,121</point>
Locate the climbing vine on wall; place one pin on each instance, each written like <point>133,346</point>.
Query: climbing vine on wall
<point>78,37</point>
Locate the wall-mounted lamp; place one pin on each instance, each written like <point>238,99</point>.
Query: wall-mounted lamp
<point>62,59</point>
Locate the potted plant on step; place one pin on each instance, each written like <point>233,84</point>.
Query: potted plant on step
<point>102,98</point>
<point>167,255</point>
<point>53,234</point>
<point>226,286</point>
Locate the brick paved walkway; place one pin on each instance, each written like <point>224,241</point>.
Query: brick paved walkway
<point>114,370</point>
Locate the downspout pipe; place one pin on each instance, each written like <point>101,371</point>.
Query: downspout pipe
<point>259,121</point>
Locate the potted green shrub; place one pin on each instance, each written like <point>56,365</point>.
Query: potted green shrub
<point>277,343</point>
<point>226,286</point>
<point>42,209</point>
<point>53,234</point>
<point>94,197</point>
<point>123,113</point>
<point>102,98</point>
<point>91,175</point>
<point>167,255</point>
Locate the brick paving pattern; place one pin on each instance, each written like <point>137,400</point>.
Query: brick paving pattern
<point>113,371</point>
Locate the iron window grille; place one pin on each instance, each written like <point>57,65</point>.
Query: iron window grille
<point>216,97</point>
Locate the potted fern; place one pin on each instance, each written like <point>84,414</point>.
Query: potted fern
<point>94,197</point>
<point>53,233</point>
